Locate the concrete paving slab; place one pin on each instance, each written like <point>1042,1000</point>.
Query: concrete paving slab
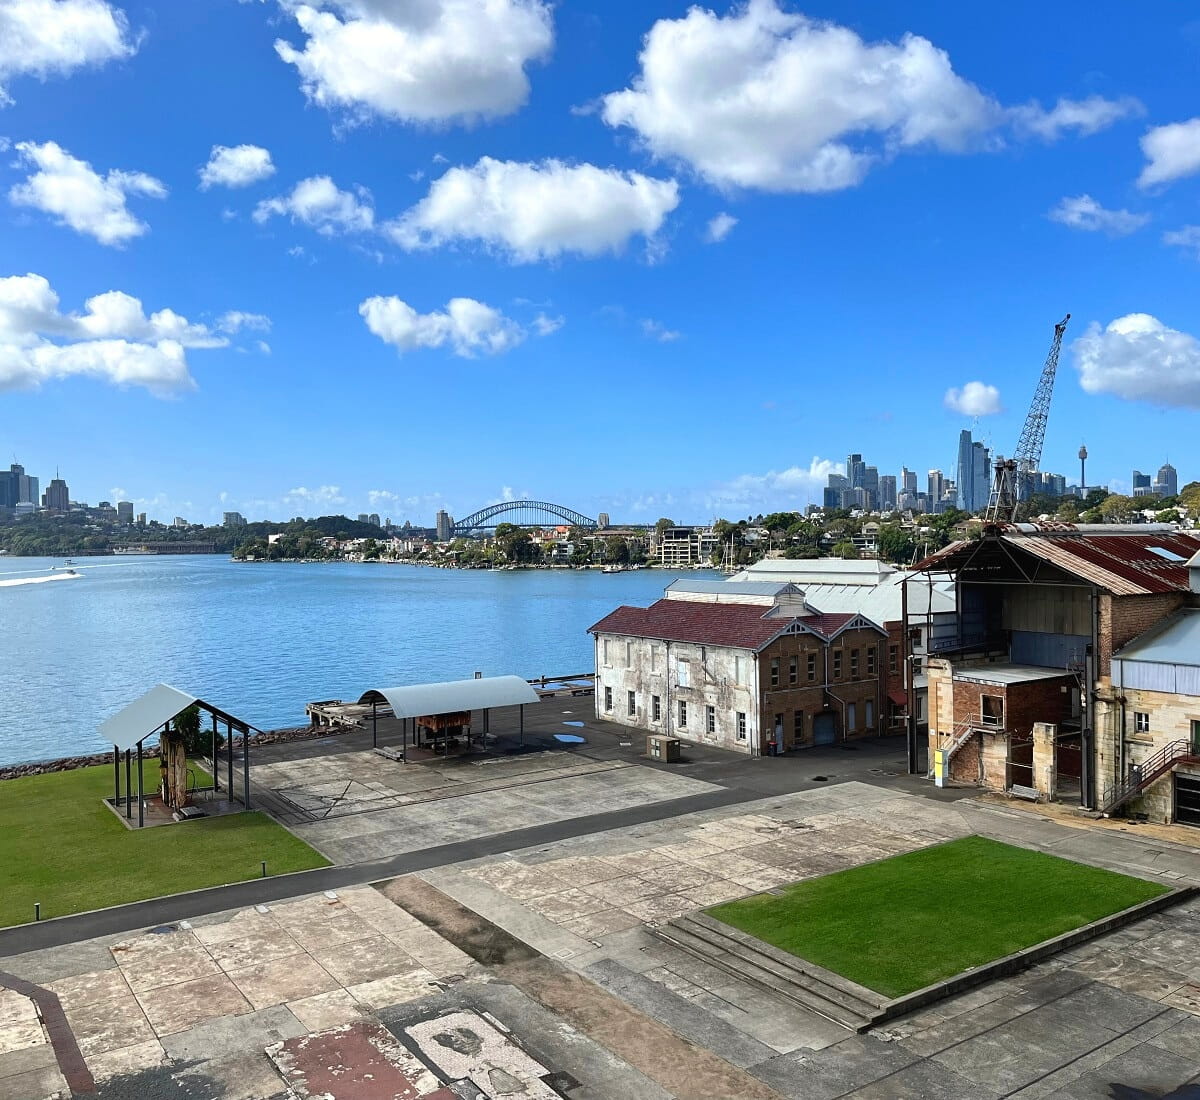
<point>327,1010</point>
<point>177,1007</point>
<point>1186,997</point>
<point>127,1060</point>
<point>90,987</point>
<point>35,1084</point>
<point>101,1027</point>
<point>358,1061</point>
<point>394,989</point>
<point>679,1014</point>
<point>171,958</point>
<point>854,1063</point>
<point>363,960</point>
<point>1151,1071</point>
<point>243,1077</point>
<point>596,926</point>
<point>20,1025</point>
<point>216,1039</point>
<point>281,980</point>
<point>16,1062</point>
<point>1130,974</point>
<point>923,1081</point>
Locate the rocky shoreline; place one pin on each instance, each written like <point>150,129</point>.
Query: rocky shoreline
<point>71,763</point>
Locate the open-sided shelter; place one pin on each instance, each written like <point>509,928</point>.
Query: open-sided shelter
<point>439,712</point>
<point>149,716</point>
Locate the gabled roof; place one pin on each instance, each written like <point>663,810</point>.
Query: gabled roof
<point>1174,641</point>
<point>145,716</point>
<point>453,695</point>
<point>737,626</point>
<point>1125,561</point>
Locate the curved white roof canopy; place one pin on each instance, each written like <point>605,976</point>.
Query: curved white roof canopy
<point>453,695</point>
<point>146,715</point>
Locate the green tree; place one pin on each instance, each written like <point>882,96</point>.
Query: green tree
<point>845,549</point>
<point>616,549</point>
<point>662,525</point>
<point>1116,508</point>
<point>895,543</point>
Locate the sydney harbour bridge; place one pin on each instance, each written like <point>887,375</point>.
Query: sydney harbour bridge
<point>520,513</point>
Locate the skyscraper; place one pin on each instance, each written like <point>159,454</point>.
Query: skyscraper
<point>856,470</point>
<point>908,480</point>
<point>124,511</point>
<point>57,497</point>
<point>887,492</point>
<point>445,526</point>
<point>937,485</point>
<point>974,474</point>
<point>1141,484</point>
<point>1166,484</point>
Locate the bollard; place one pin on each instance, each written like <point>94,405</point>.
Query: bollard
<point>37,910</point>
<point>264,868</point>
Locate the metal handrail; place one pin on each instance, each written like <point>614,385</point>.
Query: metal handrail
<point>1144,774</point>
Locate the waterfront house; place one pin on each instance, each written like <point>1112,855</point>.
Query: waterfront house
<point>752,667</point>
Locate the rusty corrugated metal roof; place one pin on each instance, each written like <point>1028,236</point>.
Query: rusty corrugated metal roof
<point>1123,562</point>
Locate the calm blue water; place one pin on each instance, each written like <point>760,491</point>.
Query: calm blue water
<point>262,640</point>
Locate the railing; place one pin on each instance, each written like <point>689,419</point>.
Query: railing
<point>1142,775</point>
<point>959,736</point>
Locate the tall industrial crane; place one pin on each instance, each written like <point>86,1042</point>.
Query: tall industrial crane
<point>1012,472</point>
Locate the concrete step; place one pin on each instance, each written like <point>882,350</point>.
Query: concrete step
<point>852,1006</point>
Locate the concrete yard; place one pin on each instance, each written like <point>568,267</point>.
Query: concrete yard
<point>532,973</point>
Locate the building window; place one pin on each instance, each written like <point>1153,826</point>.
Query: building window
<point>794,670</point>
<point>741,725</point>
<point>629,654</point>
<point>604,652</point>
<point>739,670</point>
<point>608,698</point>
<point>893,659</point>
<point>812,667</point>
<point>631,704</point>
<point>1141,722</point>
<point>869,707</point>
<point>916,666</point>
<point>854,664</point>
<point>684,670</point>
<point>991,710</point>
<point>837,664</point>
<point>682,713</point>
<point>851,717</point>
<point>654,658</point>
<point>774,672</point>
<point>798,725</point>
<point>871,661</point>
<point>710,719</point>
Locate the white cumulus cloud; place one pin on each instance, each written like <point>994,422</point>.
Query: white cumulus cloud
<point>236,166</point>
<point>112,339</point>
<point>235,320</point>
<point>544,325</point>
<point>973,399</point>
<point>656,330</point>
<point>771,99</point>
<point>77,196</point>
<point>1084,212</point>
<point>796,485</point>
<point>323,496</point>
<point>423,61</point>
<point>537,211</point>
<point>1138,358</point>
<point>1186,237</point>
<point>719,227</point>
<point>468,327</point>
<point>1172,152</point>
<point>45,38</point>
<point>1084,116</point>
<point>319,203</point>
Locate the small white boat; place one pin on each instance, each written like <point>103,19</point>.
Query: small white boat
<point>613,569</point>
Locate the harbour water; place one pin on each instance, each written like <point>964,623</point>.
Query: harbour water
<point>262,640</point>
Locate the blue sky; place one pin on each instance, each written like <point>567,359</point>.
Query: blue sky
<point>468,250</point>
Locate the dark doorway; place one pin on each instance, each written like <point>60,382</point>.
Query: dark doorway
<point>825,728</point>
<point>1187,800</point>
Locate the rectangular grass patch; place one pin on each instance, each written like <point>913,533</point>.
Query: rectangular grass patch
<point>903,923</point>
<point>60,846</point>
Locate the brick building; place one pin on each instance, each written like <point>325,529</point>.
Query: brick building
<point>1022,695</point>
<point>878,591</point>
<point>748,667</point>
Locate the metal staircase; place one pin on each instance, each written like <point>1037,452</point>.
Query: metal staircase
<point>1149,771</point>
<point>960,735</point>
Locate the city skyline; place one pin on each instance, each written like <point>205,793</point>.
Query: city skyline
<point>277,283</point>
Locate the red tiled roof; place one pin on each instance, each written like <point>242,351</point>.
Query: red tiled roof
<point>741,626</point>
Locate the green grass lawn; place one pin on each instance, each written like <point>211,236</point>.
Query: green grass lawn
<point>905,922</point>
<point>61,847</point>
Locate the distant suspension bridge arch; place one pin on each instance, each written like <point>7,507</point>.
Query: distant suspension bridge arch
<point>520,513</point>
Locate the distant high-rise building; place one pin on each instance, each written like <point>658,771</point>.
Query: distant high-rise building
<point>233,519</point>
<point>937,485</point>
<point>1141,485</point>
<point>832,497</point>
<point>10,487</point>
<point>57,497</point>
<point>602,520</point>
<point>362,517</point>
<point>1166,484</point>
<point>855,471</point>
<point>974,474</point>
<point>124,511</point>
<point>908,480</point>
<point>445,526</point>
<point>887,492</point>
<point>373,520</point>
<point>871,485</point>
<point>141,519</point>
<point>179,521</point>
